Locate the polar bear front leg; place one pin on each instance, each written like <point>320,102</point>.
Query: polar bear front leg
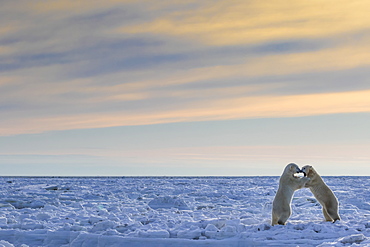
<point>305,179</point>
<point>302,182</point>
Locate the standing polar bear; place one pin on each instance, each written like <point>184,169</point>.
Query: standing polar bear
<point>322,193</point>
<point>288,183</point>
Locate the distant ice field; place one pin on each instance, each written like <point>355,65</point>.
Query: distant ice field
<point>174,211</point>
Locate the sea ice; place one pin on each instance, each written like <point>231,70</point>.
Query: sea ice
<point>174,211</point>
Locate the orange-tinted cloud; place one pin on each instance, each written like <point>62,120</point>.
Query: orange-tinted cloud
<point>233,108</point>
<point>242,22</point>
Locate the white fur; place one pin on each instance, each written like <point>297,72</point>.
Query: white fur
<point>288,183</point>
<point>323,194</point>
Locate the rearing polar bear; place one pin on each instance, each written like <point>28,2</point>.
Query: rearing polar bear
<point>322,193</point>
<point>288,183</point>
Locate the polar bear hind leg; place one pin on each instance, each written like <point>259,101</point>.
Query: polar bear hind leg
<point>280,219</point>
<point>274,220</point>
<point>280,222</point>
<point>333,214</point>
<point>326,215</point>
<point>283,218</point>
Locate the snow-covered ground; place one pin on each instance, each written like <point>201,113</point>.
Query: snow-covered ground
<point>166,211</point>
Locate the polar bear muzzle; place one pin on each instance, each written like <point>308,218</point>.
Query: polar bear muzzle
<point>300,174</point>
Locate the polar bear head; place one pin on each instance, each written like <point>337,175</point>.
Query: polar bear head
<point>291,169</point>
<point>308,171</point>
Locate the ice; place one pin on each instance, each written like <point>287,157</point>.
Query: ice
<point>174,211</point>
<point>5,244</point>
<point>356,238</point>
<point>154,234</point>
<point>193,233</point>
<point>168,202</point>
<point>352,240</point>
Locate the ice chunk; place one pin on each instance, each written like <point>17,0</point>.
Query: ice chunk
<point>95,219</point>
<point>154,234</point>
<point>356,238</point>
<point>193,233</point>
<point>3,220</point>
<point>52,187</point>
<point>219,223</point>
<point>227,232</point>
<point>250,221</point>
<point>211,231</point>
<point>211,228</point>
<point>43,216</point>
<point>4,243</point>
<point>37,204</point>
<point>6,205</point>
<point>168,202</point>
<point>103,226</point>
<point>25,204</point>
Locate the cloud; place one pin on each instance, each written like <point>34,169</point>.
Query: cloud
<point>217,109</point>
<point>67,64</point>
<point>265,86</point>
<point>240,22</point>
<point>107,38</point>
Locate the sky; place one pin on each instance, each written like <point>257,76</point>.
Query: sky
<point>184,88</point>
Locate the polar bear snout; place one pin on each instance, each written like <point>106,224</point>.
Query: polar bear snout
<point>300,174</point>
<point>296,171</point>
<point>306,169</point>
<point>304,172</point>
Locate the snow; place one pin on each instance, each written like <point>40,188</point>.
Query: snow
<point>174,211</point>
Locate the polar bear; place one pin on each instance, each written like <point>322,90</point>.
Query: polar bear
<point>322,193</point>
<point>288,183</point>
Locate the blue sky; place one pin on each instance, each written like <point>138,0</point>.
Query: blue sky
<point>184,87</point>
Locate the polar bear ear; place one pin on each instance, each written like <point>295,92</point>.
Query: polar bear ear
<point>307,167</point>
<point>310,170</point>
